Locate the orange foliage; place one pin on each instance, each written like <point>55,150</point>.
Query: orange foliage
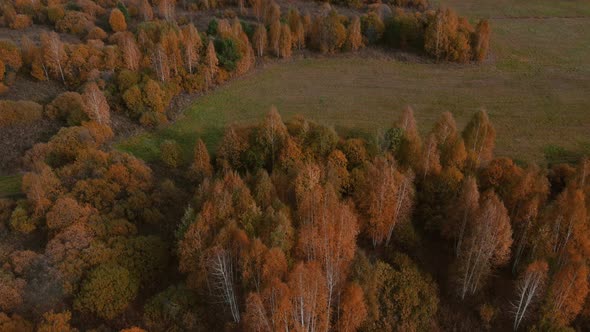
<point>117,20</point>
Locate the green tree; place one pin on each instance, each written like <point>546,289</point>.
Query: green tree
<point>170,153</point>
<point>107,291</point>
<point>407,299</point>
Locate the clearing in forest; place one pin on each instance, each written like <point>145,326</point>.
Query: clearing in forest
<point>534,86</point>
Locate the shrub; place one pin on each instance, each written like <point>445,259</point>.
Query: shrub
<point>170,153</point>
<point>133,100</point>
<point>74,22</point>
<point>20,220</point>
<point>117,20</point>
<point>55,13</point>
<point>69,107</point>
<point>107,291</point>
<point>17,112</point>
<point>21,22</point>
<point>154,97</point>
<point>10,55</point>
<point>127,79</point>
<point>96,33</point>
<point>152,119</point>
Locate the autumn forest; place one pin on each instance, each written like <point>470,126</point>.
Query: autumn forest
<point>281,222</point>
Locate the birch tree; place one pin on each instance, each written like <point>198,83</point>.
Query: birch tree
<point>529,290</point>
<point>54,55</point>
<point>131,52</point>
<point>569,226</point>
<point>463,211</point>
<point>274,132</point>
<point>386,198</point>
<point>221,272</point>
<point>159,61</point>
<point>145,10</point>
<point>192,46</point>
<point>308,297</point>
<point>430,157</point>
<point>411,146</point>
<point>568,292</point>
<point>331,241</point>
<point>96,104</point>
<point>479,136</point>
<point>487,245</point>
<point>259,39</point>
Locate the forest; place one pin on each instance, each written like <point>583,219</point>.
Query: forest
<point>284,224</point>
<point>292,227</point>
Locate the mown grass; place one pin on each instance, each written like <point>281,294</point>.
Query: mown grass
<point>10,185</point>
<point>535,86</point>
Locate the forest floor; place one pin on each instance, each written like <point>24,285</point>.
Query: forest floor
<point>534,85</point>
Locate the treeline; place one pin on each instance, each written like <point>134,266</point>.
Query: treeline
<point>141,55</point>
<point>291,226</point>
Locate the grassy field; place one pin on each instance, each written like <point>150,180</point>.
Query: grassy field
<point>10,185</point>
<point>536,88</point>
<point>518,8</point>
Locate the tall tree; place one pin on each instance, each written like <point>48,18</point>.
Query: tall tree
<point>386,197</point>
<point>259,39</point>
<point>145,10</point>
<point>481,40</point>
<point>160,63</point>
<point>166,9</point>
<point>308,297</point>
<point>353,309</point>
<point>221,268</point>
<point>430,163</point>
<point>569,229</point>
<point>274,37</point>
<point>285,41</point>
<point>201,166</point>
<point>354,36</point>
<point>97,107</point>
<point>192,45</point>
<point>54,55</point>
<point>568,292</point>
<point>479,136</point>
<point>487,244</point>
<point>331,241</point>
<point>463,210</point>
<point>529,289</point>
<point>274,132</point>
<point>411,146</point>
<point>450,144</point>
<point>211,63</point>
<point>131,52</point>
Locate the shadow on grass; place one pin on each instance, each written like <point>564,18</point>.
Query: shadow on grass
<point>147,146</point>
<point>558,155</point>
<point>10,186</point>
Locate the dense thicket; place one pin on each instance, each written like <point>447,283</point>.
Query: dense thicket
<point>291,226</point>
